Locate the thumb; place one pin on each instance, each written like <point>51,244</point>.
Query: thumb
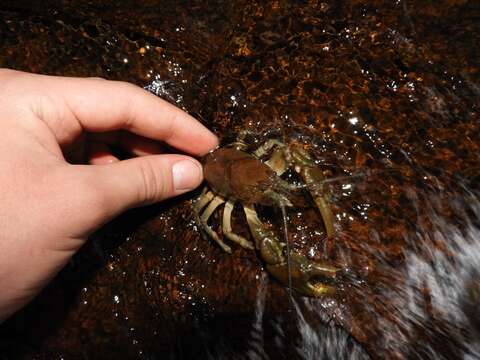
<point>116,187</point>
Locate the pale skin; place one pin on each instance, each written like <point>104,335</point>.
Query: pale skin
<point>59,181</point>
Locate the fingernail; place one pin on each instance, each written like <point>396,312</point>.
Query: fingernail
<point>187,175</point>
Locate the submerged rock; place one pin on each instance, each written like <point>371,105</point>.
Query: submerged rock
<point>384,94</point>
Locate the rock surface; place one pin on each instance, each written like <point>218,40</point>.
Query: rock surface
<point>385,94</point>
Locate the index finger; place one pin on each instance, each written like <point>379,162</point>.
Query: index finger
<point>99,105</point>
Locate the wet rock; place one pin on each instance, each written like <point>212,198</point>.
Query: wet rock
<point>385,95</point>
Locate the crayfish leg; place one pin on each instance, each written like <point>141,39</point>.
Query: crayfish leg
<point>202,201</point>
<point>267,146</point>
<point>227,227</point>
<point>212,206</point>
<point>271,249</point>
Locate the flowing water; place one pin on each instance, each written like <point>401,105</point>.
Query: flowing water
<point>384,94</point>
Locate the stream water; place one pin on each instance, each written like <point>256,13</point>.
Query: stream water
<point>383,94</point>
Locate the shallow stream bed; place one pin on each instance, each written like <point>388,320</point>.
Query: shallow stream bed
<point>385,94</point>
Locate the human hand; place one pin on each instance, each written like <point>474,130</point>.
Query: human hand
<point>50,203</point>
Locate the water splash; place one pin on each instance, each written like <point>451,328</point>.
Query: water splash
<point>326,341</point>
<point>433,313</point>
<point>256,343</point>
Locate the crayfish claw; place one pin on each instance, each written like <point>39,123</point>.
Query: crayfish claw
<point>319,290</point>
<point>304,274</point>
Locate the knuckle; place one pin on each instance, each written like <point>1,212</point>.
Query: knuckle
<point>130,95</point>
<point>130,90</point>
<point>169,131</point>
<point>153,183</point>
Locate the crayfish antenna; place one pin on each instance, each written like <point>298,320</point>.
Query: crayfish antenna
<point>285,234</point>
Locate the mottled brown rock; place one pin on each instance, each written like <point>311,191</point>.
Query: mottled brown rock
<point>384,93</point>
